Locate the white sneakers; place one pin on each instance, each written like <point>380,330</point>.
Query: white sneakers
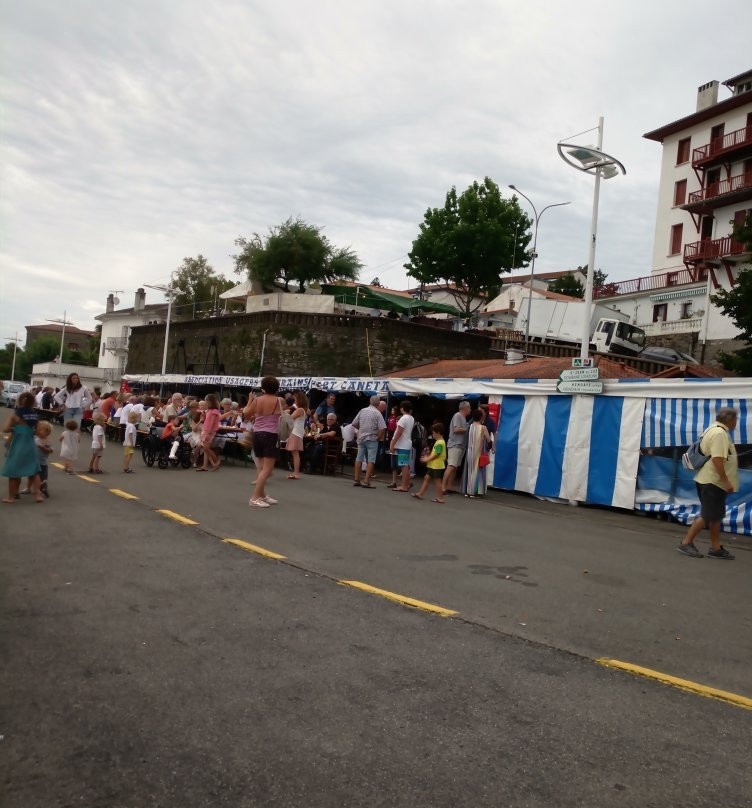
<point>262,503</point>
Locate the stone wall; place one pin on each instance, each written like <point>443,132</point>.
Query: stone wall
<point>690,343</point>
<point>299,344</point>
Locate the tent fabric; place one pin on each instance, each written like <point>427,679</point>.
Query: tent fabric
<point>372,298</point>
<point>680,421</point>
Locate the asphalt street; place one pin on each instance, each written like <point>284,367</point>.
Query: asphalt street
<point>149,663</point>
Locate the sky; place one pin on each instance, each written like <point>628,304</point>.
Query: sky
<point>136,134</point>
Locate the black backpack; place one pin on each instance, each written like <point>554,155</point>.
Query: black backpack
<point>419,436</point>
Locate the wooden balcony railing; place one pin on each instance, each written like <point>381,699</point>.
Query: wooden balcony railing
<point>709,249</point>
<point>722,145</point>
<point>741,182</point>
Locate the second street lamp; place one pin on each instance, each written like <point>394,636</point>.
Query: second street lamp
<point>534,256</point>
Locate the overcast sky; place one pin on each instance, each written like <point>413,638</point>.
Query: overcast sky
<point>137,133</point>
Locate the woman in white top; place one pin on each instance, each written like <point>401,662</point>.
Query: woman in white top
<point>294,443</point>
<point>74,397</point>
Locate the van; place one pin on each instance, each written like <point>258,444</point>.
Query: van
<point>11,391</point>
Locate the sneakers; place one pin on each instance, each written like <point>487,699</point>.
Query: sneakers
<point>722,553</point>
<point>258,503</point>
<point>270,500</point>
<point>690,550</point>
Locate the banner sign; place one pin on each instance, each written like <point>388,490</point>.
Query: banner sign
<point>326,383</point>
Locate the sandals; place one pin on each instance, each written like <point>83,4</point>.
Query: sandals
<point>417,496</point>
<point>439,501</point>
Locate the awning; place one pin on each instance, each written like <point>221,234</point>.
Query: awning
<point>371,298</point>
<point>677,295</point>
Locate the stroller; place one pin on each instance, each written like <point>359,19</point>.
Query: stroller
<point>155,450</point>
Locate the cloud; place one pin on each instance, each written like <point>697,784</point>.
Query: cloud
<point>139,133</point>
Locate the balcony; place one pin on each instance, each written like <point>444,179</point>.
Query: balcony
<point>117,345</point>
<point>717,194</point>
<point>713,249</point>
<point>687,326</point>
<point>648,283</point>
<point>738,143</point>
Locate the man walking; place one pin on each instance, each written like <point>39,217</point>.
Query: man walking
<point>456,444</point>
<point>371,428</point>
<point>717,478</point>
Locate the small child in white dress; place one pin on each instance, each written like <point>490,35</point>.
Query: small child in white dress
<point>69,448</point>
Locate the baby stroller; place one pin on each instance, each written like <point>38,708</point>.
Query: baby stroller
<point>155,450</point>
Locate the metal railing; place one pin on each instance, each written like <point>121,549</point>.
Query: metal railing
<point>723,144</point>
<point>708,249</point>
<point>647,283</point>
<point>740,182</point>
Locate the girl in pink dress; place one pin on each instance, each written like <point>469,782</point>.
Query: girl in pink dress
<point>209,431</point>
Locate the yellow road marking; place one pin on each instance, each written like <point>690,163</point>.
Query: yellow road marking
<point>417,604</point>
<point>124,494</point>
<point>58,465</point>
<point>184,520</point>
<point>252,548</point>
<point>683,684</point>
<point>88,479</point>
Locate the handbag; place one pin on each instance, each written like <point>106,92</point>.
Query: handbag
<point>694,459</point>
<point>484,460</point>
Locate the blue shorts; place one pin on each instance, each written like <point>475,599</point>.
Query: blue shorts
<point>367,449</point>
<point>403,457</point>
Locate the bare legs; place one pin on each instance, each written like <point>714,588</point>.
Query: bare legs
<point>267,467</point>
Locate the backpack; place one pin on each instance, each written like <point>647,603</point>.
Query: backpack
<point>419,435</point>
<point>285,427</point>
<point>693,459</point>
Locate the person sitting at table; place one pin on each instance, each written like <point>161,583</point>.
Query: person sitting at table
<point>324,409</point>
<point>331,431</point>
<point>228,416</point>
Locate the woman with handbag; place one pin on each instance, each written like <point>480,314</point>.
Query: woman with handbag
<point>479,445</point>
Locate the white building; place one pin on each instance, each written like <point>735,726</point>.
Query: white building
<point>501,312</point>
<point>705,187</point>
<point>54,374</point>
<point>117,325</point>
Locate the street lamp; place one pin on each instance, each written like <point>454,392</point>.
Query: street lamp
<point>170,292</point>
<point>63,322</point>
<point>15,340</point>
<point>591,160</point>
<point>534,256</point>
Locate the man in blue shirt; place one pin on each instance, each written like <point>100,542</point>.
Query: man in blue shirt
<point>325,408</point>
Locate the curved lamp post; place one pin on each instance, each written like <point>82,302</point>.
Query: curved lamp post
<point>534,256</point>
<point>591,160</point>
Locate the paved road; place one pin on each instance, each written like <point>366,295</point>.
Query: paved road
<point>147,663</point>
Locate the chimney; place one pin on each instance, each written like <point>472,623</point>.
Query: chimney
<point>707,95</point>
<point>110,307</point>
<point>140,301</point>
<point>514,357</point>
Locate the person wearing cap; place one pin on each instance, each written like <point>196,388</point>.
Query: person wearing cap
<point>718,477</point>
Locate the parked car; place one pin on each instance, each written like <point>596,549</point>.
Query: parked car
<point>668,355</point>
<point>11,391</point>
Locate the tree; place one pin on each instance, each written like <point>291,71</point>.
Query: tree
<point>469,242</point>
<point>737,304</point>
<point>567,285</point>
<point>198,286</point>
<point>44,349</point>
<point>295,252</point>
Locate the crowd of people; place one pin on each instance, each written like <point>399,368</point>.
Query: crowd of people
<point>264,424</point>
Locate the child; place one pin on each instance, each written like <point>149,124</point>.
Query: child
<point>129,441</point>
<point>70,440</point>
<point>171,433</point>
<point>97,443</point>
<point>44,430</point>
<point>21,460</point>
<point>435,464</point>
<point>209,431</point>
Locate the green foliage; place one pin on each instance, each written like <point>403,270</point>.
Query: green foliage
<point>198,287</point>
<point>736,303</point>
<point>568,285</point>
<point>469,242</point>
<point>295,252</point>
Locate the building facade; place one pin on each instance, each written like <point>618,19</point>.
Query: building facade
<point>705,189</point>
<point>76,339</point>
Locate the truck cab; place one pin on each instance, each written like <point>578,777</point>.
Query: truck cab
<point>615,336</point>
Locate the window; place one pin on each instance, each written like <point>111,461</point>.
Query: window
<point>672,278</point>
<point>660,312</point>
<point>716,133</point>
<point>680,192</point>
<point>686,310</point>
<point>676,239</point>
<point>702,273</point>
<point>682,151</point>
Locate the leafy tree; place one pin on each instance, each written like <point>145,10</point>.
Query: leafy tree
<point>6,361</point>
<point>295,252</point>
<point>469,242</point>
<point>198,286</point>
<point>567,285</point>
<point>44,349</point>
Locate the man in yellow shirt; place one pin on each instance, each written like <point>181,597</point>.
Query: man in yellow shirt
<point>717,478</point>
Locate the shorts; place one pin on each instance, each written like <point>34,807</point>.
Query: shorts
<point>403,457</point>
<point>128,450</point>
<point>97,452</point>
<point>369,449</point>
<point>455,456</point>
<point>435,474</point>
<point>294,444</point>
<point>265,444</point>
<point>712,502</point>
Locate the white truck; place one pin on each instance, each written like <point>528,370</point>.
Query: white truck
<point>560,322</point>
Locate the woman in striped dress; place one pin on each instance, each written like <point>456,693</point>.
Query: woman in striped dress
<point>478,445</point>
